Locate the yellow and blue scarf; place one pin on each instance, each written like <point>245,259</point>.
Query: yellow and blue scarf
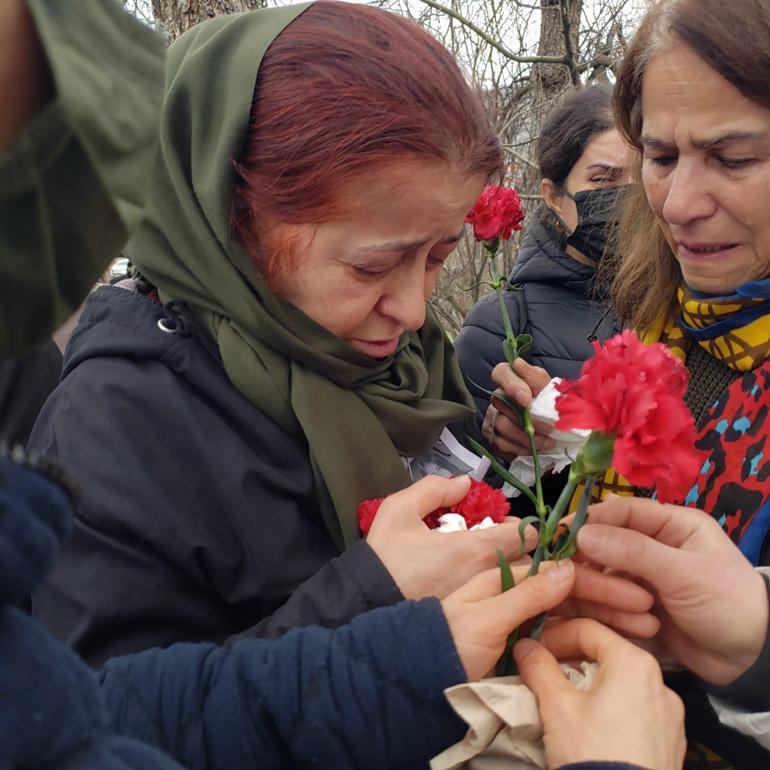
<point>734,329</point>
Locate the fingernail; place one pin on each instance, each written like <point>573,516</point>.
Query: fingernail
<point>586,538</point>
<point>562,571</point>
<point>522,396</point>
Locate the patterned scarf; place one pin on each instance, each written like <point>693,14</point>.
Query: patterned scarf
<point>734,329</point>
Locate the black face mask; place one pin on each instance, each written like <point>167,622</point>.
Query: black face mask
<point>597,217</point>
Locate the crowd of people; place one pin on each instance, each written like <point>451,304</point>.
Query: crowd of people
<point>182,576</point>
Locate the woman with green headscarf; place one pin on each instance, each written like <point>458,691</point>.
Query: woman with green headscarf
<point>275,364</point>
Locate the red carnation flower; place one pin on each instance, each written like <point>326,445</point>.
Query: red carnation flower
<point>635,392</point>
<point>496,214</point>
<point>480,502</point>
<point>366,511</point>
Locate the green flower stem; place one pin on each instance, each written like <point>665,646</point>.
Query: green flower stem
<point>560,508</point>
<point>569,546</point>
<point>510,351</point>
<point>509,335</point>
<point>529,429</point>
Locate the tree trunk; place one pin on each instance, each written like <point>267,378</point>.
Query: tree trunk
<point>551,79</point>
<point>173,17</point>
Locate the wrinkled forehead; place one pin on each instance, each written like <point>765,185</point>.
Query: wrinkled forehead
<point>687,103</point>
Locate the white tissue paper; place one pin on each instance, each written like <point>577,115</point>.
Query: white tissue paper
<point>568,443</point>
<point>455,522</point>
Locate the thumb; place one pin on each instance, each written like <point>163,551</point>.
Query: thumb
<point>535,376</point>
<point>535,594</point>
<point>540,671</point>
<point>424,497</point>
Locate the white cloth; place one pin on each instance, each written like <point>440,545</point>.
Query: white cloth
<point>455,522</point>
<point>504,727</point>
<point>568,443</point>
<point>754,725</point>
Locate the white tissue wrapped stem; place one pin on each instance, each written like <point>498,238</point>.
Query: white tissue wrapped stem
<point>568,443</point>
<point>455,522</point>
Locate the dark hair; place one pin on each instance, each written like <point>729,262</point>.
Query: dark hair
<point>734,40</point>
<point>343,91</point>
<point>576,118</point>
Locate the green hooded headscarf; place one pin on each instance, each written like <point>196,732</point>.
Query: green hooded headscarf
<point>358,415</point>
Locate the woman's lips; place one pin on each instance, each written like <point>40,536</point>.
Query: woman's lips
<point>692,250</point>
<point>377,348</point>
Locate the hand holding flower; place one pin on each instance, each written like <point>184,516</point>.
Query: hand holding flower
<point>481,617</point>
<point>503,427</point>
<point>425,563</point>
<point>676,551</point>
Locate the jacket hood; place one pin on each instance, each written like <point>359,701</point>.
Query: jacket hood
<point>120,322</point>
<point>541,260</point>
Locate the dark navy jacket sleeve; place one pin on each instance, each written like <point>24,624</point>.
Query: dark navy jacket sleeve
<point>367,695</point>
<point>198,519</point>
<point>52,714</point>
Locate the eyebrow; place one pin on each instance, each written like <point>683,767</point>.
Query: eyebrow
<point>705,144</point>
<point>604,167</point>
<point>408,245</point>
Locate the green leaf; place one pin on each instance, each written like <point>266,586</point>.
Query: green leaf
<point>523,339</point>
<point>481,387</point>
<point>522,526</point>
<point>506,575</point>
<point>476,286</point>
<point>523,343</point>
<point>506,666</point>
<point>512,405</point>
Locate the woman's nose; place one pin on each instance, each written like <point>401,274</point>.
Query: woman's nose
<point>404,301</point>
<point>688,196</point>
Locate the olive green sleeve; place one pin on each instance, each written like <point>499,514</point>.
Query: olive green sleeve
<point>73,184</point>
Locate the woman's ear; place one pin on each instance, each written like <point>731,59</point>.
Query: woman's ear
<point>552,195</point>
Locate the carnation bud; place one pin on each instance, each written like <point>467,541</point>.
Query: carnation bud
<point>596,454</point>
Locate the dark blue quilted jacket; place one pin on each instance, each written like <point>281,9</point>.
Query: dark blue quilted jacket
<point>52,715</point>
<point>367,695</point>
<point>562,316</point>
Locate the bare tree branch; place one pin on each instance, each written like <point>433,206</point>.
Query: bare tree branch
<point>492,42</point>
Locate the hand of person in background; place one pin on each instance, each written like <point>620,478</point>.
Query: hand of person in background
<point>427,563</point>
<point>502,427</point>
<point>628,715</point>
<point>712,604</point>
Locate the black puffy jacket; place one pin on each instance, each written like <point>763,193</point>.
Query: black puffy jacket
<point>198,517</point>
<point>562,315</point>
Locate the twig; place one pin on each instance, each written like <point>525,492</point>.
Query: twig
<point>494,43</point>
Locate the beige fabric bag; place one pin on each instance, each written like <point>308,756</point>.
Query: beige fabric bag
<point>504,727</point>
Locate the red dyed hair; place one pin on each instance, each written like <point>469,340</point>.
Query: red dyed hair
<point>343,91</point>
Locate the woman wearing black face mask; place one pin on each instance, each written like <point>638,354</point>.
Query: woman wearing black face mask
<point>583,162</point>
